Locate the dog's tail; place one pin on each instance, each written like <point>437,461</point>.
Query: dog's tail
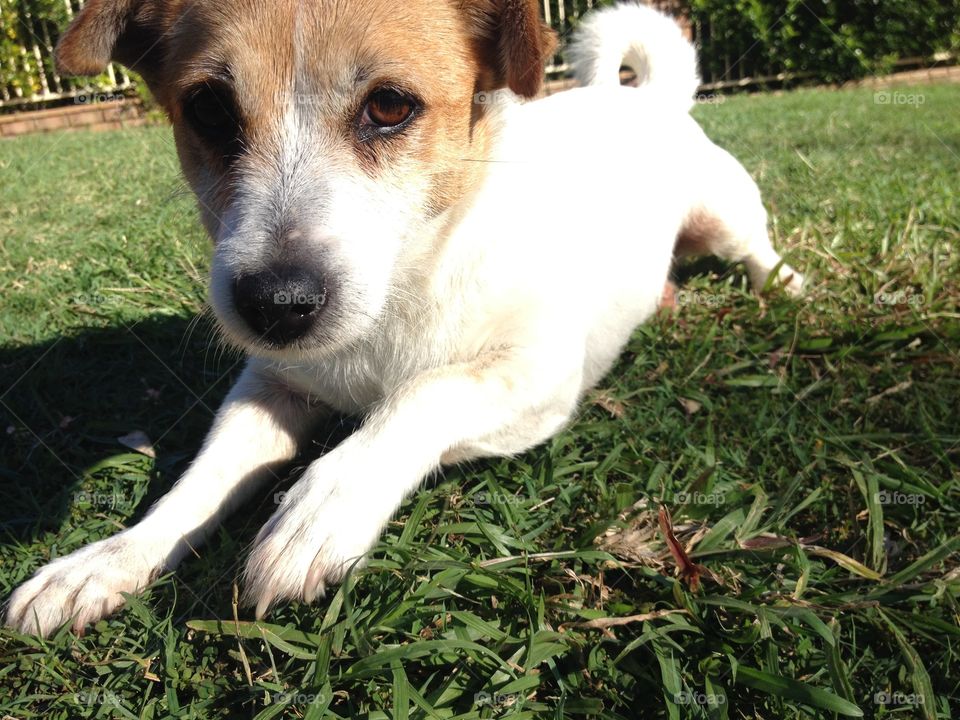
<point>641,38</point>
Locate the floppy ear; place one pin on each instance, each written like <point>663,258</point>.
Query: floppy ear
<point>126,31</point>
<point>514,42</point>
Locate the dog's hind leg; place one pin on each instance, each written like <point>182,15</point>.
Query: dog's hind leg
<point>728,220</point>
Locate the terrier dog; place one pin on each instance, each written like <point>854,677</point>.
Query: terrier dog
<point>398,235</point>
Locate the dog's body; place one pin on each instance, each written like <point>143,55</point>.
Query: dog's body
<point>520,266</point>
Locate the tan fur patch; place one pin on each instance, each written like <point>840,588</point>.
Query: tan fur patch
<point>698,235</point>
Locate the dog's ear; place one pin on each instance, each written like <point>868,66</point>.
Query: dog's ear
<point>513,41</point>
<point>125,31</point>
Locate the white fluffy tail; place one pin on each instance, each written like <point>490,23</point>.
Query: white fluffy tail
<point>641,38</point>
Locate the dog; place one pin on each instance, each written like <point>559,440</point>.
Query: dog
<point>398,235</point>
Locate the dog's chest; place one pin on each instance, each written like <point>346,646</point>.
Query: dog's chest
<point>360,377</point>
<point>346,387</point>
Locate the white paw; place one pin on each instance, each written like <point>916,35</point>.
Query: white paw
<point>791,280</point>
<point>787,278</point>
<point>319,533</point>
<point>84,587</point>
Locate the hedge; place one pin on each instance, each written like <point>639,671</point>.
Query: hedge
<point>828,40</point>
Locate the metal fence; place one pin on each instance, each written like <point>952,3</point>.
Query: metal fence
<point>29,78</point>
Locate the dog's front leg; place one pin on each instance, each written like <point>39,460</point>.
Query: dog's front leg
<point>335,513</point>
<point>259,424</point>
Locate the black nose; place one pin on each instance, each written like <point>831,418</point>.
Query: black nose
<point>281,304</point>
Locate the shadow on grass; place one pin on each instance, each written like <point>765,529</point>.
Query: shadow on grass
<point>64,473</point>
<point>65,404</point>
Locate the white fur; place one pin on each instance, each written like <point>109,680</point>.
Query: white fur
<point>638,37</point>
<point>478,336</point>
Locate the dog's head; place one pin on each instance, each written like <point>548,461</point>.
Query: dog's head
<point>325,140</point>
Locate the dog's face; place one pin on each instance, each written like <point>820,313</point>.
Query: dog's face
<point>325,140</point>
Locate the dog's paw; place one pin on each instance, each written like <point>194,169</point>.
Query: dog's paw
<point>84,587</point>
<point>784,276</point>
<point>312,541</point>
<point>791,280</point>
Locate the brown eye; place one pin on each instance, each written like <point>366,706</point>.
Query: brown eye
<point>387,108</point>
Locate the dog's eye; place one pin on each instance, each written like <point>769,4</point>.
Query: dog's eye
<point>387,108</point>
<point>212,114</point>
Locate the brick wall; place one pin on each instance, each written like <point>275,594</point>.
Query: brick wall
<point>110,115</point>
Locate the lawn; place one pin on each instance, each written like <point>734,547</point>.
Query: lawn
<point>807,452</point>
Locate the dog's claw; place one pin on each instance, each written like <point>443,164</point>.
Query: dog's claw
<point>314,587</point>
<point>263,607</point>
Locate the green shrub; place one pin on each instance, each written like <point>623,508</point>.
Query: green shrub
<point>827,39</point>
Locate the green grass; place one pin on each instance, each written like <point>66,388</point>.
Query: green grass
<point>808,453</point>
